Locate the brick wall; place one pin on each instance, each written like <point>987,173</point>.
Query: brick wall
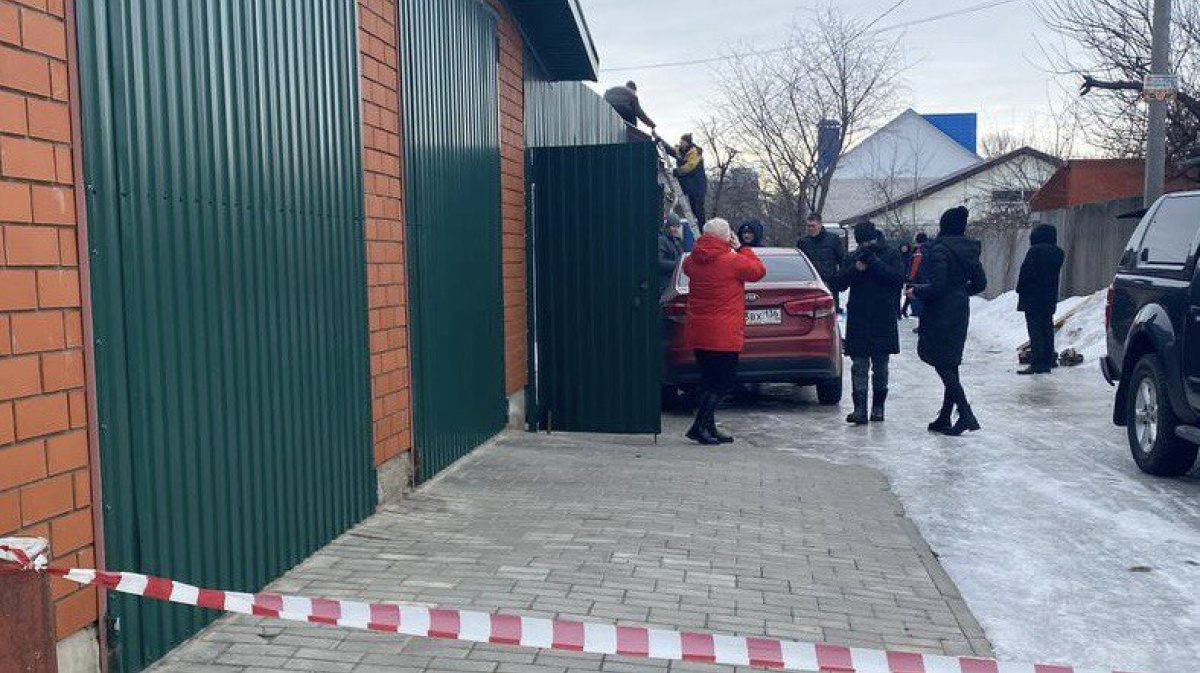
<point>512,184</point>
<point>383,184</point>
<point>45,483</point>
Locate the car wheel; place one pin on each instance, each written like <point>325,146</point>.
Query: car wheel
<point>1151,423</point>
<point>829,393</point>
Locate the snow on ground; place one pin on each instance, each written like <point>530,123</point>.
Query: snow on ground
<point>999,327</point>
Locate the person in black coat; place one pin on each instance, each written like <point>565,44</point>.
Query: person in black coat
<point>874,274</point>
<point>1037,287</point>
<point>824,250</point>
<point>952,274</point>
<point>670,251</point>
<point>751,233</point>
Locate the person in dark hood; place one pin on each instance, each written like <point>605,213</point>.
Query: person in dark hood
<point>670,251</point>
<point>952,274</point>
<point>874,274</point>
<point>1037,288</point>
<point>751,234</point>
<point>693,177</point>
<point>624,99</point>
<point>715,326</point>
<point>823,249</point>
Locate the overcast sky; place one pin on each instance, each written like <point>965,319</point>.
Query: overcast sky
<point>985,62</point>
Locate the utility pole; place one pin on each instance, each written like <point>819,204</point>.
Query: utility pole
<point>1160,64</point>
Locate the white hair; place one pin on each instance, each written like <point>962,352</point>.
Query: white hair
<point>719,228</point>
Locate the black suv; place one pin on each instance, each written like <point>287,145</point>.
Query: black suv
<point>1153,319</point>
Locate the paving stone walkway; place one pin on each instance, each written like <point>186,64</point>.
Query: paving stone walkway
<point>741,540</point>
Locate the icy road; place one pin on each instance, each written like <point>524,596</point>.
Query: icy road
<point>1062,548</point>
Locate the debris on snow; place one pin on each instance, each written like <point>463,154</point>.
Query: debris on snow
<point>1001,328</point>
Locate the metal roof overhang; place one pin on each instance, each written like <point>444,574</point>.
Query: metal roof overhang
<point>557,33</point>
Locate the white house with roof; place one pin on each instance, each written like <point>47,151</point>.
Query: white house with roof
<point>908,153</point>
<point>1004,184</point>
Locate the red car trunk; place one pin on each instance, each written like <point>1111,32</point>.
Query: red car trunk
<point>792,334</point>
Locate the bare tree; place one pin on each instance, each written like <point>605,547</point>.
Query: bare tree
<point>1107,44</point>
<point>1003,197</point>
<point>717,140</point>
<point>833,67</point>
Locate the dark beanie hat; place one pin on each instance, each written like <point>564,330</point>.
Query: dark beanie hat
<point>865,232</point>
<point>954,221</point>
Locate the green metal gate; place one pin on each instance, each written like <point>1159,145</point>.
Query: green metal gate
<point>452,193</point>
<point>595,212</point>
<point>224,209</point>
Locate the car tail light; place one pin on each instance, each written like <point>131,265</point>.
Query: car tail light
<point>819,307</point>
<point>1108,308</point>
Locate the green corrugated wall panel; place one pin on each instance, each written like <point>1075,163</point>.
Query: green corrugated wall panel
<point>561,114</point>
<point>452,204</point>
<point>223,171</point>
<point>593,213</point>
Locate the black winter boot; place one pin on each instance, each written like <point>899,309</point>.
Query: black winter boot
<point>966,423</point>
<point>878,402</point>
<point>702,429</point>
<point>942,423</point>
<point>859,415</point>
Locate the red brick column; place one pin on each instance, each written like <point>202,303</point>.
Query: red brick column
<point>512,184</point>
<point>384,204</point>
<point>45,483</point>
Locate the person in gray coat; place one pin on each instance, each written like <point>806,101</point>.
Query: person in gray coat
<point>624,99</point>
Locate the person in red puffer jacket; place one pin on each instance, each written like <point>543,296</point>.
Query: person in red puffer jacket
<point>718,270</point>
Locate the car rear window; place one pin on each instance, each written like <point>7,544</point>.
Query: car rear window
<point>780,269</point>
<point>1170,235</point>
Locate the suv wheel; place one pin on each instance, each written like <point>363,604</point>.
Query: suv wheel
<point>829,393</point>
<point>1151,423</point>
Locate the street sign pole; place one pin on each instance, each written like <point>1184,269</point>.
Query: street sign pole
<point>1156,146</point>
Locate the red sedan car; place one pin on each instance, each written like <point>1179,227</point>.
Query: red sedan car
<point>792,331</point>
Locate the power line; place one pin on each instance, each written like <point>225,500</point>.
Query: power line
<point>767,52</point>
<point>885,15</point>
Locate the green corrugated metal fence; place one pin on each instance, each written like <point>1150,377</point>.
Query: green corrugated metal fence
<point>594,213</point>
<point>452,192</point>
<point>224,203</point>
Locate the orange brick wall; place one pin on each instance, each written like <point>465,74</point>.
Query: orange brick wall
<point>512,184</point>
<point>383,184</point>
<point>45,482</point>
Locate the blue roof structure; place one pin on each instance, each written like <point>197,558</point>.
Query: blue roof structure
<point>962,127</point>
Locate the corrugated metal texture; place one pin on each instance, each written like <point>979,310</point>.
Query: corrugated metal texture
<point>222,160</point>
<point>560,114</point>
<point>594,211</point>
<point>452,187</point>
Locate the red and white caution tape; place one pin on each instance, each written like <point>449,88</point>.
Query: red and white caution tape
<point>480,627</point>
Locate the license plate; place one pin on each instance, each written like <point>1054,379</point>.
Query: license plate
<point>770,316</point>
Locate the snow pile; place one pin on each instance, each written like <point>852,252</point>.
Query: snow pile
<point>1000,328</point>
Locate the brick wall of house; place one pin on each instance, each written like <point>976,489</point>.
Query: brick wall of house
<point>45,483</point>
<point>384,204</point>
<point>512,184</point>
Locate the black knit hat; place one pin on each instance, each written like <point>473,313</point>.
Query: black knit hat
<point>954,221</point>
<point>865,232</point>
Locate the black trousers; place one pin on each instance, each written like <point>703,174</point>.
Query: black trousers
<point>696,201</point>
<point>718,371</point>
<point>1041,339</point>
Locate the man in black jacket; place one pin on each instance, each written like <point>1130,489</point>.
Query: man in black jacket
<point>823,249</point>
<point>1037,288</point>
<point>874,274</point>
